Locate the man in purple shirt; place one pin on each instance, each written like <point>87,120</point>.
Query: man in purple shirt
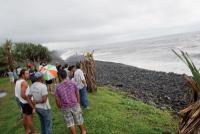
<point>68,100</point>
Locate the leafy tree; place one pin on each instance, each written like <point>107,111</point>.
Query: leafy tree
<point>3,59</point>
<point>6,57</point>
<point>22,53</point>
<point>31,52</point>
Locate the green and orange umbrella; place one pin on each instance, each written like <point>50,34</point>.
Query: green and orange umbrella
<point>49,71</point>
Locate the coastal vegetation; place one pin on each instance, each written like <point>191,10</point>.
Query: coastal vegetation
<point>13,54</point>
<point>189,117</point>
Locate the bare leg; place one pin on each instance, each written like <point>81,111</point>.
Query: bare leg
<point>73,130</point>
<point>25,123</point>
<point>30,123</point>
<point>49,88</point>
<point>12,83</point>
<point>82,128</point>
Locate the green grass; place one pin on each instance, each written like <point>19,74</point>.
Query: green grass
<point>111,113</point>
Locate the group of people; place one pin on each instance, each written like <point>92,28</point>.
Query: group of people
<point>13,74</point>
<point>70,94</point>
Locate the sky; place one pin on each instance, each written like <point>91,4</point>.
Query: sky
<point>95,22</point>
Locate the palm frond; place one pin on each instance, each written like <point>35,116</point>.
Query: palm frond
<point>184,56</point>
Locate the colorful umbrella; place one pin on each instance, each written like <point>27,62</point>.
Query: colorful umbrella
<point>49,71</point>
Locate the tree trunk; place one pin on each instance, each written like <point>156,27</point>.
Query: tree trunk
<point>89,69</point>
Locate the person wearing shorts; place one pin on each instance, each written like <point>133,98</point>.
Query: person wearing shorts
<point>68,101</point>
<point>28,109</point>
<point>73,116</point>
<point>49,85</point>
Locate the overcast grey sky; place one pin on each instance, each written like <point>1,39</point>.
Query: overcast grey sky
<point>90,22</point>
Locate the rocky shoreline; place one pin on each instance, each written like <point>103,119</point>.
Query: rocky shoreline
<point>160,89</point>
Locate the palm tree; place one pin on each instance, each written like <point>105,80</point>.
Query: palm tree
<point>189,117</point>
<point>6,57</point>
<point>3,59</point>
<point>32,52</point>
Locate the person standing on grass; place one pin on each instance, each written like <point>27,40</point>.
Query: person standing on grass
<point>16,77</point>
<point>28,109</point>
<point>18,87</point>
<point>11,76</point>
<point>66,66</point>
<point>59,68</point>
<point>40,98</point>
<point>70,74</point>
<point>47,82</point>
<point>82,86</point>
<point>68,100</point>
<point>49,85</point>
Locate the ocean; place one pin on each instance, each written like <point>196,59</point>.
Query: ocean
<point>153,54</point>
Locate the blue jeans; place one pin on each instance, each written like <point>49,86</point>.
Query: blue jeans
<point>83,97</point>
<point>45,120</point>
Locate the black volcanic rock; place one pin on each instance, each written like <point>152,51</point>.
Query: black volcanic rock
<point>158,88</point>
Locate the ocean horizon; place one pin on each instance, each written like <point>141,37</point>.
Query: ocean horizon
<point>152,54</point>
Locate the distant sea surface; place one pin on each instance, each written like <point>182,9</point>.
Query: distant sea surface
<point>153,54</point>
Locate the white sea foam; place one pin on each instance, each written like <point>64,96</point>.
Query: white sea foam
<point>153,54</point>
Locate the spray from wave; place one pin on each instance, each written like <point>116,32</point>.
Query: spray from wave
<point>153,54</point>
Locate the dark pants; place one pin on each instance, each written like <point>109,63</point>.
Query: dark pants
<point>83,97</point>
<point>45,120</point>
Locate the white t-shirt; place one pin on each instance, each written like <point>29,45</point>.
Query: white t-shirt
<point>11,76</point>
<point>68,73</point>
<point>38,90</point>
<point>78,78</point>
<point>18,86</point>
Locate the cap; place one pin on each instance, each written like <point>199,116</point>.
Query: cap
<point>38,75</point>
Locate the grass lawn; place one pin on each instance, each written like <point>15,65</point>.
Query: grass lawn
<point>111,113</point>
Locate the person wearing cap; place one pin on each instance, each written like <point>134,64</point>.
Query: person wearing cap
<point>39,92</point>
